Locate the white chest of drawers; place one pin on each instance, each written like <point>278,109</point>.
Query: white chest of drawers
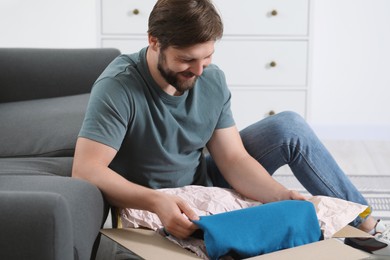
<point>265,51</point>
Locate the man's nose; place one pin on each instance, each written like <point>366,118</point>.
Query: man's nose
<point>198,67</point>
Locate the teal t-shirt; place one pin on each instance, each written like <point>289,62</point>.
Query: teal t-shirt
<point>159,137</point>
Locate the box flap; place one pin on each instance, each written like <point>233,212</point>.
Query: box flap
<point>148,244</point>
<point>349,231</point>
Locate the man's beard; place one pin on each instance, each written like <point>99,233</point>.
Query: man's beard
<point>172,77</point>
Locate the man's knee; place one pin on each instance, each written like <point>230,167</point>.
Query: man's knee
<point>291,117</point>
<point>294,126</point>
<point>289,122</point>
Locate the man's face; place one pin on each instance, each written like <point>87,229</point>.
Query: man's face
<point>181,67</point>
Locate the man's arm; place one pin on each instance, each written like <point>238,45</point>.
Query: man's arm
<point>91,163</point>
<point>242,171</point>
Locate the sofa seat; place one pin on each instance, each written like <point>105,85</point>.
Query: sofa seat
<point>47,166</point>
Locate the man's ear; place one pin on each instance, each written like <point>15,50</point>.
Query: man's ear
<point>153,42</point>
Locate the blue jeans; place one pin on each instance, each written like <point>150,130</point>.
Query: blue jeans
<point>286,138</point>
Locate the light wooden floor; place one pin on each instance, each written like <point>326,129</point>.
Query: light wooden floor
<point>361,157</point>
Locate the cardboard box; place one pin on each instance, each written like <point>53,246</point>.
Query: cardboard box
<point>150,245</point>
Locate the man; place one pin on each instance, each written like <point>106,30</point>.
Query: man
<point>151,114</point>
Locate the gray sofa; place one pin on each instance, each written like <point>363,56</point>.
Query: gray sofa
<point>45,214</point>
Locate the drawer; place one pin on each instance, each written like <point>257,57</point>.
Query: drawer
<point>262,62</point>
<point>126,46</point>
<point>125,16</point>
<point>249,106</point>
<point>246,17</point>
<point>264,17</point>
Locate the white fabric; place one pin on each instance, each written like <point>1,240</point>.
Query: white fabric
<point>333,214</point>
<point>203,200</point>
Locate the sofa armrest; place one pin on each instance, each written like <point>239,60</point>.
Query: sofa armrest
<point>85,206</point>
<point>28,73</point>
<point>35,225</point>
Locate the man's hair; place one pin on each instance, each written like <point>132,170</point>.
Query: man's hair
<point>183,23</point>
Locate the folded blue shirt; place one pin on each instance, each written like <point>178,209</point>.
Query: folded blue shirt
<point>260,229</point>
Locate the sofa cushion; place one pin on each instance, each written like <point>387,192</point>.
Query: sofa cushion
<point>36,73</point>
<point>42,127</point>
<point>60,166</point>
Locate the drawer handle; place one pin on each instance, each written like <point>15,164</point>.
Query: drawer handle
<point>274,12</point>
<point>272,64</point>
<point>136,11</point>
<point>271,113</point>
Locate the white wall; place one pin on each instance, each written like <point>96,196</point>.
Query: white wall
<point>48,23</point>
<point>351,72</point>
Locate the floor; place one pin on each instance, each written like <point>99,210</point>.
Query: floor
<point>367,163</point>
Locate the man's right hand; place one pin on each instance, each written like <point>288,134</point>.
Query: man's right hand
<point>176,215</point>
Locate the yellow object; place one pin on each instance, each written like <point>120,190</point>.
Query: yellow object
<point>365,213</point>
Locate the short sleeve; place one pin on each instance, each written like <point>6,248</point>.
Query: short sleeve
<point>108,113</point>
<point>226,117</point>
